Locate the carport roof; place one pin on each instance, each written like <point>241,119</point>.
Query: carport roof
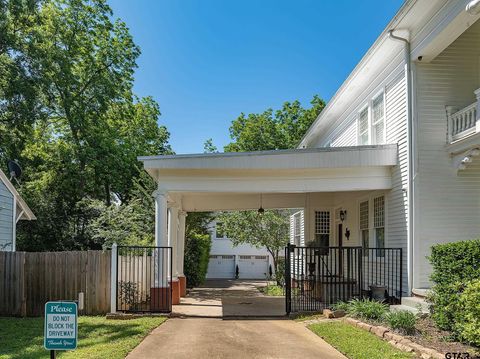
<point>311,158</point>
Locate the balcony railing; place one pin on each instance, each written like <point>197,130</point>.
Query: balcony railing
<point>462,123</point>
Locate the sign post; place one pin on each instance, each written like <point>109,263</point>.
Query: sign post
<point>61,326</point>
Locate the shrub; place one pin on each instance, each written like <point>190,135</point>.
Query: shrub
<point>367,309</point>
<point>454,266</point>
<point>280,272</point>
<point>467,325</point>
<point>402,321</point>
<point>197,255</point>
<point>340,306</point>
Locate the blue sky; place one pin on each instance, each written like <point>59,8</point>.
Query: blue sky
<point>206,61</point>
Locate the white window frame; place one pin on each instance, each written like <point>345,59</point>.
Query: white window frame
<point>371,218</point>
<point>331,223</point>
<point>359,134</point>
<point>370,133</point>
<point>297,227</point>
<point>384,119</point>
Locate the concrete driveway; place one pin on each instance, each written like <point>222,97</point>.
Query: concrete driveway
<point>226,298</point>
<point>194,338</point>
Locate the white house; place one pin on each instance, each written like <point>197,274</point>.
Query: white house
<point>12,209</point>
<point>391,161</point>
<point>252,262</point>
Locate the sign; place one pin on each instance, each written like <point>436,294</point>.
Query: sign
<point>60,326</point>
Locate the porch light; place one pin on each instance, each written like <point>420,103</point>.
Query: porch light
<point>343,215</point>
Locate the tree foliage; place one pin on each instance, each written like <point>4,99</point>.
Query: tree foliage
<point>273,130</point>
<point>69,115</point>
<point>269,230</point>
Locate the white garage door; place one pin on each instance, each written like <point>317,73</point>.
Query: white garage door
<point>253,267</point>
<point>221,266</point>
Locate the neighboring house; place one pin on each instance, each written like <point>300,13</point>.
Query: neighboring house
<point>12,209</point>
<point>391,162</point>
<point>253,263</point>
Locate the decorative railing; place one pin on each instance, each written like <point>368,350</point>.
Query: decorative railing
<point>462,123</point>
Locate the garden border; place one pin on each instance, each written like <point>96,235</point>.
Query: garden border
<point>395,339</point>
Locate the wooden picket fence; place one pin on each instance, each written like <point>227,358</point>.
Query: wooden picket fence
<point>29,279</point>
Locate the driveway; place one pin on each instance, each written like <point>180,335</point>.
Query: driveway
<point>225,298</point>
<point>200,338</point>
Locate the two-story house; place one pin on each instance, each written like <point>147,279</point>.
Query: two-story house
<point>390,163</point>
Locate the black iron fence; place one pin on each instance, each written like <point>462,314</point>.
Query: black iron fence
<point>318,277</point>
<point>144,279</point>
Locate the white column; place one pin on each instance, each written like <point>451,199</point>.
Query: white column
<point>477,94</point>
<point>161,240</point>
<point>113,279</point>
<point>181,242</point>
<point>172,238</point>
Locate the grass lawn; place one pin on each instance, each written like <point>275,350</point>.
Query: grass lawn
<point>272,290</point>
<point>356,343</point>
<point>97,337</point>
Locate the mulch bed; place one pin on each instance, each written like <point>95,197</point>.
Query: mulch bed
<point>430,336</point>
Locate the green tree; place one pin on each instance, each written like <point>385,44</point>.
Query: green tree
<point>269,230</point>
<point>273,130</point>
<point>79,153</point>
<point>269,130</point>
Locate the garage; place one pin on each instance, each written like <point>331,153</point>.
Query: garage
<point>221,266</point>
<point>252,267</point>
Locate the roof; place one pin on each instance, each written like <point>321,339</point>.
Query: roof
<point>429,25</point>
<point>310,158</point>
<point>26,212</point>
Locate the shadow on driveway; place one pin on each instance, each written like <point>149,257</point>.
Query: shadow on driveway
<point>228,298</point>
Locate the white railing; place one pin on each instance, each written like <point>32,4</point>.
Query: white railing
<point>462,123</point>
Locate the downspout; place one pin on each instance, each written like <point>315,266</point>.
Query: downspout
<point>473,7</point>
<point>411,157</point>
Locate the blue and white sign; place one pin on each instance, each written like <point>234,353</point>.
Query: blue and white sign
<point>60,326</point>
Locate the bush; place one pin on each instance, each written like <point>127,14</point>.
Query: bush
<point>467,325</point>
<point>454,266</point>
<point>341,306</point>
<point>367,309</point>
<point>280,272</point>
<point>197,255</point>
<point>402,321</point>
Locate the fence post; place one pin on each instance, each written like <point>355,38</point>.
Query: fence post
<point>113,279</point>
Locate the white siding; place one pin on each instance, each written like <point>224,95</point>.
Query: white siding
<point>6,218</point>
<point>348,137</point>
<point>447,205</point>
<point>396,199</point>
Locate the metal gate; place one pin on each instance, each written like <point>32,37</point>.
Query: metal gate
<point>144,279</point>
<point>318,277</point>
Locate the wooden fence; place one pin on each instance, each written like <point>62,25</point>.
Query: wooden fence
<point>29,279</point>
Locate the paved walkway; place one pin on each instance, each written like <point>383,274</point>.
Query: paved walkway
<point>230,298</point>
<point>198,338</point>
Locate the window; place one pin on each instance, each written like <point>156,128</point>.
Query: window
<point>379,224</point>
<point>297,234</point>
<point>322,228</point>
<point>363,127</point>
<point>219,231</point>
<point>371,122</point>
<point>364,226</point>
<point>378,120</point>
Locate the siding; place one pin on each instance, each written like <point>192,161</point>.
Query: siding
<point>396,199</point>
<point>447,204</point>
<point>6,218</point>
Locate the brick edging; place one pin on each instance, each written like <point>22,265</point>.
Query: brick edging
<point>396,340</point>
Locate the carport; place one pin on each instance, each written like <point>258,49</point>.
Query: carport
<point>301,178</point>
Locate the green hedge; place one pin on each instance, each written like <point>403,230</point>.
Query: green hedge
<point>197,254</point>
<point>455,266</point>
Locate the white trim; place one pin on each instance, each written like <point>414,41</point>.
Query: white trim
<point>16,197</point>
<point>14,226</point>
